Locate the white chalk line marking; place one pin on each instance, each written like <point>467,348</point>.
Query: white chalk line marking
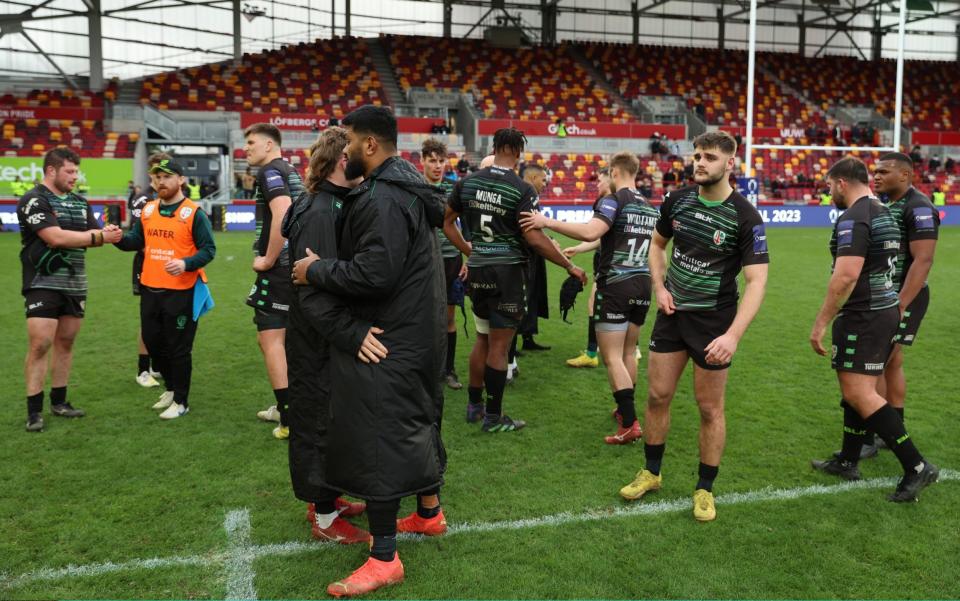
<point>297,547</point>
<point>239,558</point>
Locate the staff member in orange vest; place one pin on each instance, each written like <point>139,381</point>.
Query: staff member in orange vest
<point>177,241</point>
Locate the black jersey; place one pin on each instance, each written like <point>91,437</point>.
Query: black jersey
<point>712,241</point>
<point>135,205</point>
<point>867,229</point>
<point>447,249</point>
<point>276,178</point>
<point>490,202</point>
<point>626,245</point>
<point>61,269</point>
<point>917,219</point>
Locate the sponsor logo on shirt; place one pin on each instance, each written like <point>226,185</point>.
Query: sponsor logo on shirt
<point>35,219</point>
<point>702,217</point>
<point>148,210</point>
<point>845,233</point>
<point>759,239</point>
<point>31,205</point>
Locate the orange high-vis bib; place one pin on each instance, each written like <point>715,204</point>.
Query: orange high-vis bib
<point>168,238</point>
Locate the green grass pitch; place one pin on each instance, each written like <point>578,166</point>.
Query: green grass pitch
<point>121,485</point>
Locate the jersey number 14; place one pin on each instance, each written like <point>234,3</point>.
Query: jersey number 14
<point>637,256</point>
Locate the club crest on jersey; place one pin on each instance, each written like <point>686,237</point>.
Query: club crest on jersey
<point>719,237</point>
<point>185,212</point>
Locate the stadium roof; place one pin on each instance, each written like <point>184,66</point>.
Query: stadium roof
<point>137,37</point>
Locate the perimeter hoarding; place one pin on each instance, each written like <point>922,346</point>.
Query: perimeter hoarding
<point>105,177</point>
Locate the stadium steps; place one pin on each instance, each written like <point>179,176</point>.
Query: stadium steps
<point>129,91</point>
<point>600,81</point>
<point>381,61</point>
<point>811,105</point>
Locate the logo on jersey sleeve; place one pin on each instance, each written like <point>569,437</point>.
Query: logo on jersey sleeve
<point>923,219</point>
<point>759,240</point>
<point>274,179</point>
<point>845,233</point>
<point>608,207</point>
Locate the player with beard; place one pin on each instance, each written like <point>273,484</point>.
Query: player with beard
<point>56,228</point>
<point>146,377</point>
<point>491,201</point>
<point>385,407</point>
<point>623,222</point>
<point>277,184</point>
<point>177,241</point>
<point>716,234</point>
<point>863,305</point>
<point>433,160</point>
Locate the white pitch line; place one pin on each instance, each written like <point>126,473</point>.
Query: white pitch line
<point>622,511</point>
<point>239,557</point>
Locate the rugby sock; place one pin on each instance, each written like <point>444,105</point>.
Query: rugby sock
<point>282,398</point>
<point>888,426</point>
<point>854,434</point>
<point>495,381</point>
<point>512,354</point>
<point>451,350</point>
<point>35,403</point>
<point>899,410</point>
<point>624,400</point>
<point>382,517</point>
<point>58,395</point>
<point>654,455</point>
<point>475,395</point>
<point>143,364</point>
<point>591,338</point>
<point>427,512</point>
<point>707,474</point>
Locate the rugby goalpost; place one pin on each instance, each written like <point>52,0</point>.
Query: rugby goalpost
<point>748,168</point>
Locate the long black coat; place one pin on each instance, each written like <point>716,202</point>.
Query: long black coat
<point>384,437</point>
<point>316,317</point>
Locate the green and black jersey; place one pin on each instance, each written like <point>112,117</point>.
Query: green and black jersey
<point>489,202</point>
<point>712,242</point>
<point>867,229</point>
<point>626,245</point>
<point>61,269</point>
<point>276,178</point>
<point>917,219</point>
<point>447,249</point>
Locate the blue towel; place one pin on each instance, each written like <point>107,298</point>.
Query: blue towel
<point>202,299</point>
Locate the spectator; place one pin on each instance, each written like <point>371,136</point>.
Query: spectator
<point>655,145</point>
<point>646,188</point>
<point>134,193</point>
<point>916,156</point>
<point>463,165</point>
<point>934,163</point>
<point>948,165</point>
<point>248,182</point>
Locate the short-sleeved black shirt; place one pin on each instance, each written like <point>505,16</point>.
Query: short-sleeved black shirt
<point>917,219</point>
<point>712,241</point>
<point>276,178</point>
<point>489,202</point>
<point>626,245</point>
<point>61,269</point>
<point>867,229</point>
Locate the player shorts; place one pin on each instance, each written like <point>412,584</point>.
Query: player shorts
<point>691,331</point>
<point>912,317</point>
<point>498,295</point>
<point>271,293</point>
<point>137,270</point>
<point>52,304</point>
<point>451,272</point>
<point>269,320</point>
<point>622,303</point>
<point>862,340</point>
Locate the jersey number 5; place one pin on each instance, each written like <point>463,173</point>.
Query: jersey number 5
<point>485,227</point>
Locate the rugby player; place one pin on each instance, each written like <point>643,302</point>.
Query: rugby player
<point>589,357</point>
<point>491,200</point>
<point>56,228</point>
<point>623,222</point>
<point>716,234</point>
<point>277,184</point>
<point>863,305</point>
<point>433,160</point>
